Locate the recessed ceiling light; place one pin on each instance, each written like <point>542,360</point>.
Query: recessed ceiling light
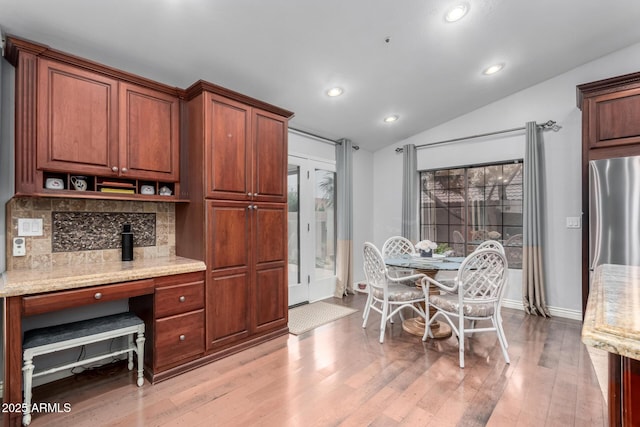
<point>391,119</point>
<point>335,91</point>
<point>457,13</point>
<point>493,69</point>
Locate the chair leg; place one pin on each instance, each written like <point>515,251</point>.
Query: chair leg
<point>365,314</point>
<point>27,370</point>
<point>383,320</point>
<point>367,310</point>
<point>461,339</point>
<point>502,339</point>
<point>501,330</point>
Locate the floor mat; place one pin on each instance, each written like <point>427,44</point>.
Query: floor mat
<point>309,316</point>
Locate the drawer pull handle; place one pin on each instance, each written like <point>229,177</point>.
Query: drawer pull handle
<point>182,337</point>
<point>98,295</point>
<point>182,299</point>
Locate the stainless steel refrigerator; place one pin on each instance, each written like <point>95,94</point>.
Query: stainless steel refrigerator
<point>614,211</point>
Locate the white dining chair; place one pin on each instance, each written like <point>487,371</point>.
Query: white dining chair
<point>491,244</point>
<point>390,295</point>
<point>476,294</point>
<point>397,247</point>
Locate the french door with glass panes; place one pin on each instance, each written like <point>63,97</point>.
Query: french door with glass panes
<point>312,230</point>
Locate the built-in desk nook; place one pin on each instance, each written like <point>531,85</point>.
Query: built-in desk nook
<point>166,293</point>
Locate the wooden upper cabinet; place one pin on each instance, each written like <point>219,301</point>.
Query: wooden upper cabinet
<point>77,122</point>
<point>149,134</point>
<point>610,112</point>
<point>91,124</point>
<point>246,152</point>
<point>613,118</point>
<point>228,151</point>
<point>270,157</point>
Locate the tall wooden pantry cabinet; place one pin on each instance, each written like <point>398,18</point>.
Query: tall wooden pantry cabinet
<point>235,168</point>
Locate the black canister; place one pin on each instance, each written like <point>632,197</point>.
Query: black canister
<point>127,243</point>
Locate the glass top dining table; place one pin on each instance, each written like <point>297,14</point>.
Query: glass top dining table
<point>425,263</point>
<point>429,266</point>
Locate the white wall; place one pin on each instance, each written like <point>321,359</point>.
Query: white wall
<point>554,99</point>
<point>363,215</point>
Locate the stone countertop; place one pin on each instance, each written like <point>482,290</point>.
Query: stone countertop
<point>35,281</point>
<point>612,316</point>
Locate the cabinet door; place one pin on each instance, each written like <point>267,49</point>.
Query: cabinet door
<point>149,134</point>
<point>228,282</point>
<point>269,157</point>
<point>613,118</point>
<point>270,284</point>
<point>77,120</point>
<point>227,132</point>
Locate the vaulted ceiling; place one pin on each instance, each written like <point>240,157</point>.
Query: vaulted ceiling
<point>389,57</point>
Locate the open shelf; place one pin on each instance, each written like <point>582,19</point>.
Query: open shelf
<point>56,184</point>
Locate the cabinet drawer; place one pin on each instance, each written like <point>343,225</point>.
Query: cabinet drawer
<point>179,337</point>
<point>178,299</point>
<point>53,301</point>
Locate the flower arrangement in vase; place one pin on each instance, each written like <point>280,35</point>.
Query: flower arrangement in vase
<point>426,247</point>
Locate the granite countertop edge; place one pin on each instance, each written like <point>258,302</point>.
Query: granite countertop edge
<point>51,279</point>
<point>596,329</point>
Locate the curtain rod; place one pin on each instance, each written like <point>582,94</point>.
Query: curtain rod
<point>319,138</point>
<point>551,124</point>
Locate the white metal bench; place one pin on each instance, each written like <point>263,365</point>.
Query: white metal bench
<point>61,337</point>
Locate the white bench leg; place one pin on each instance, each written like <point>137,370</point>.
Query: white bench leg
<point>27,370</point>
<point>130,354</point>
<point>140,354</point>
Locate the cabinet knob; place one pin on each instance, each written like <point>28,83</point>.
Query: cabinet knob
<point>98,295</point>
<point>182,299</point>
<point>125,170</point>
<point>182,337</point>
<point>250,207</point>
<point>255,207</point>
<point>115,169</point>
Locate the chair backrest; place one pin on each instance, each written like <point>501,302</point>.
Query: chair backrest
<point>515,240</point>
<point>397,246</point>
<point>375,269</point>
<point>490,244</point>
<point>482,276</point>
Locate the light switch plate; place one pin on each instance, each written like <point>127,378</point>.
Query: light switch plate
<point>19,246</point>
<point>30,227</point>
<point>574,222</point>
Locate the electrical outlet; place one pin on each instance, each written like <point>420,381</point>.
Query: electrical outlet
<point>19,246</point>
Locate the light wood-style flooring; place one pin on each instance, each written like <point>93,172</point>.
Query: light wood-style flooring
<point>340,375</point>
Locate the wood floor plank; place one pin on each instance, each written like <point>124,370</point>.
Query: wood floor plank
<point>340,375</point>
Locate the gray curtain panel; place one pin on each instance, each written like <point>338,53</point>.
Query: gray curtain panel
<point>533,283</point>
<point>344,214</point>
<point>410,192</point>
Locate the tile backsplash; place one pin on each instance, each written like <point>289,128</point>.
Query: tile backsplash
<point>87,231</point>
<point>80,231</point>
